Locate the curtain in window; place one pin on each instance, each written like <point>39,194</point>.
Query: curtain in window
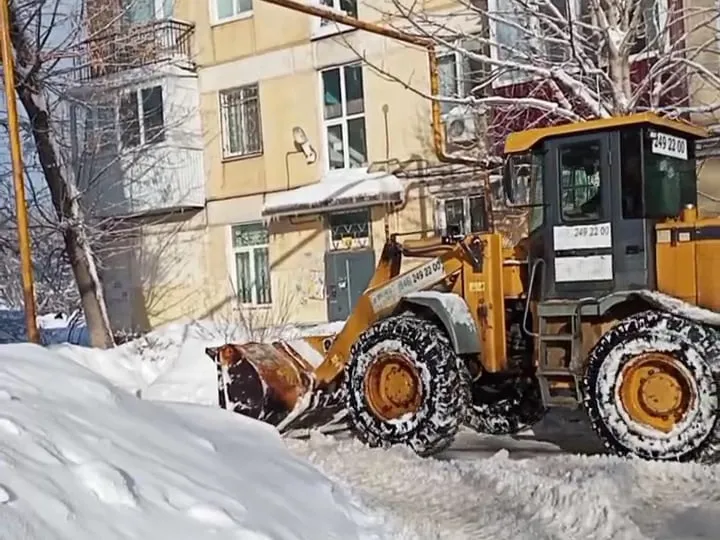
<point>262,275</point>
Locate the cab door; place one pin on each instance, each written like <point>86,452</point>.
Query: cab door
<point>579,233</point>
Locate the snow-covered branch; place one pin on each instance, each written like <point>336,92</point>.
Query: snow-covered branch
<point>519,63</point>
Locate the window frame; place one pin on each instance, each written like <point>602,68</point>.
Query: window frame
<point>441,222</point>
<point>162,9</point>
<point>356,242</point>
<point>233,251</point>
<point>461,89</point>
<point>114,143</point>
<point>226,154</point>
<point>604,175</point>
<point>320,30</point>
<point>344,118</point>
<point>215,20</point>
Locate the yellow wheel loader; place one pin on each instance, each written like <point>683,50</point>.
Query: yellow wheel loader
<point>610,302</point>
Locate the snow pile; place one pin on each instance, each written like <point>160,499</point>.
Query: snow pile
<point>339,187</point>
<point>80,459</point>
<point>170,364</point>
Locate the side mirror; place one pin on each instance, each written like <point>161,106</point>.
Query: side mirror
<point>507,180</point>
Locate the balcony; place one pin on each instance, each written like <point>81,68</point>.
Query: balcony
<point>139,149</point>
<point>135,46</point>
<point>158,181</point>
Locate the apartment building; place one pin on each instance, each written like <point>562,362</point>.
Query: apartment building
<point>281,163</point>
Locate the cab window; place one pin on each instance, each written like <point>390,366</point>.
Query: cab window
<point>670,177</point>
<point>580,169</point>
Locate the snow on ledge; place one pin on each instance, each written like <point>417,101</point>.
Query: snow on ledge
<point>338,188</point>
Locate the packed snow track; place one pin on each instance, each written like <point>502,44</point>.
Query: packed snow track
<point>520,488</point>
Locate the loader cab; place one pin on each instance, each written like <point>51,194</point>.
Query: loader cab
<point>594,192</point>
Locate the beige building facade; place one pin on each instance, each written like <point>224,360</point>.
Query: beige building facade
<point>308,158</point>
<point>298,233</point>
<point>298,154</point>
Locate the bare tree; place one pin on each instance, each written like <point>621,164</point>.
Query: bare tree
<point>98,174</point>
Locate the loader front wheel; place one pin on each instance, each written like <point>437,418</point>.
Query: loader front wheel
<point>404,385</point>
<point>652,389</point>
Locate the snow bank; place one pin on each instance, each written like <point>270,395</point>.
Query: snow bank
<point>81,459</point>
<point>170,364</point>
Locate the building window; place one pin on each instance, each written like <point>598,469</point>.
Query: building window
<point>250,243</point>
<point>141,117</point>
<point>649,31</point>
<point>509,18</point>
<point>225,10</point>
<point>344,116</point>
<point>240,117</point>
<point>461,76</point>
<point>349,230</point>
<point>143,11</point>
<point>462,215</point>
<point>348,7</point>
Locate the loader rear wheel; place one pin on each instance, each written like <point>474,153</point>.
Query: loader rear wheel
<point>651,389</point>
<point>404,385</point>
<point>504,406</point>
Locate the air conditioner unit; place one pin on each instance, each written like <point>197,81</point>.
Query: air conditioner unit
<point>460,126</point>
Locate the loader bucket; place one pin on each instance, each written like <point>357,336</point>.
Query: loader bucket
<point>275,383</point>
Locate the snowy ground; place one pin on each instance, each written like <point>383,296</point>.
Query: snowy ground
<point>549,483</point>
<point>477,492</point>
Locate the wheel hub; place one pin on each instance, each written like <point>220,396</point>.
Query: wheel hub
<point>656,391</point>
<point>393,387</point>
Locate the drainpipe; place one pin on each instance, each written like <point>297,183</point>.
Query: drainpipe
<point>421,41</point>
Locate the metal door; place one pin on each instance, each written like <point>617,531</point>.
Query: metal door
<point>347,274</point>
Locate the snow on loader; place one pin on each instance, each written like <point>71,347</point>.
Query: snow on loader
<point>611,302</point>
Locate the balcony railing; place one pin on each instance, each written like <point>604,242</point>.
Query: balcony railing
<point>134,46</point>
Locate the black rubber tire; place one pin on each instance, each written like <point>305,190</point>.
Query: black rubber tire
<point>445,386</point>
<point>697,348</point>
<point>505,408</point>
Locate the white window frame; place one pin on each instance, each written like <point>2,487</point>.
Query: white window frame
<point>159,12</point>
<point>238,16</point>
<point>116,102</point>
<point>441,223</point>
<point>320,30</point>
<point>458,64</point>
<point>343,119</point>
<point>141,115</point>
<point>522,78</point>
<point>232,251</point>
<point>224,130</point>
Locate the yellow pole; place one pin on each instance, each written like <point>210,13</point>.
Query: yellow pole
<point>33,334</point>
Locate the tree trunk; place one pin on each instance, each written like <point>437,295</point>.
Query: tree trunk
<point>65,199</point>
<point>90,288</point>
